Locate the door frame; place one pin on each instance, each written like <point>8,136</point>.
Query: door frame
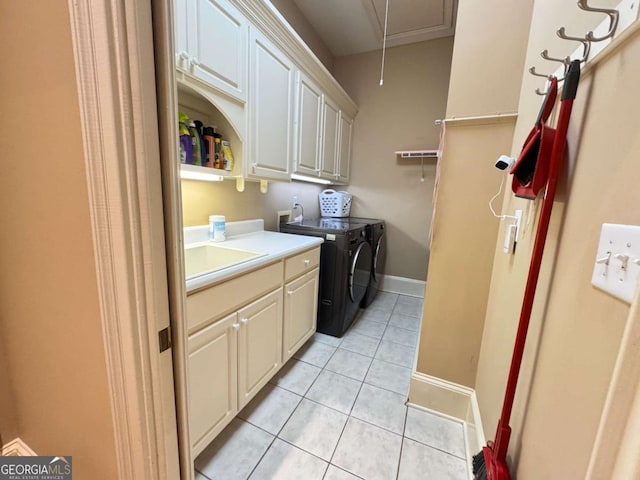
<point>114,56</point>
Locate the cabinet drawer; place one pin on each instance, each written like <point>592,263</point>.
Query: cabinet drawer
<point>209,304</point>
<point>300,263</point>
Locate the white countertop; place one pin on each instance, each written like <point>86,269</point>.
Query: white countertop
<point>247,235</point>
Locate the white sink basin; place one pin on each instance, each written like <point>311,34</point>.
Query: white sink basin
<point>210,258</point>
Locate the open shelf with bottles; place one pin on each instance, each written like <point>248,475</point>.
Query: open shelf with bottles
<point>200,104</point>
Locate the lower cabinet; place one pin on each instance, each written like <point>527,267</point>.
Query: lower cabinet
<point>229,362</point>
<point>212,380</point>
<point>259,345</point>
<point>237,345</point>
<point>300,312</point>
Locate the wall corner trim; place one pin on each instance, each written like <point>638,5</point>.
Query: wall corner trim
<point>17,448</point>
<point>403,286</point>
<point>450,399</point>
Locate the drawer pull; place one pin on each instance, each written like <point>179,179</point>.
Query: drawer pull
<point>307,262</point>
<point>290,292</point>
<point>236,326</point>
<point>244,320</point>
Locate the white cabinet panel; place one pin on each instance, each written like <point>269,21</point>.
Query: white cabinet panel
<point>270,109</point>
<point>344,156</point>
<point>181,31</point>
<point>300,312</point>
<point>212,44</point>
<point>331,118</point>
<point>212,381</point>
<point>308,115</point>
<point>259,344</point>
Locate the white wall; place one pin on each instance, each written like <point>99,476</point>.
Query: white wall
<point>397,116</point>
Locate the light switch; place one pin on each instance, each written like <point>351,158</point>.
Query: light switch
<point>617,262</point>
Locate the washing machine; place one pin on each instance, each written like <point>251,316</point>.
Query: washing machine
<point>378,240</point>
<point>345,269</point>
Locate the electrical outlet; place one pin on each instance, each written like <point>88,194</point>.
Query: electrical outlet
<point>295,201</point>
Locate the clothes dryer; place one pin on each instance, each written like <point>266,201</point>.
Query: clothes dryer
<point>345,269</point>
<point>378,240</point>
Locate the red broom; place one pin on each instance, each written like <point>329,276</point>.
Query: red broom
<point>491,462</point>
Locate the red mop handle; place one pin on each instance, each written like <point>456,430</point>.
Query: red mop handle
<point>557,153</point>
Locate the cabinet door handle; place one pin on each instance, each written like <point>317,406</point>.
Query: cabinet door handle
<point>290,292</point>
<point>244,320</point>
<point>236,326</point>
<point>307,262</point>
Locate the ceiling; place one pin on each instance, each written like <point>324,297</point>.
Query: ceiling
<point>356,26</point>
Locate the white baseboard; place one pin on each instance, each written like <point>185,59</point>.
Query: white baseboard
<point>450,400</point>
<point>17,448</point>
<point>403,286</point>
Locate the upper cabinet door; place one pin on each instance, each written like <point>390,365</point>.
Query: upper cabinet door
<point>344,157</point>
<point>270,109</point>
<point>181,35</point>
<point>331,117</point>
<point>309,115</point>
<point>217,45</point>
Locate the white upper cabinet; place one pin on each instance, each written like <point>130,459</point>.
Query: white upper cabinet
<point>270,107</point>
<point>308,136</point>
<point>344,152</point>
<point>181,34</point>
<point>211,44</point>
<point>287,114</point>
<point>330,132</point>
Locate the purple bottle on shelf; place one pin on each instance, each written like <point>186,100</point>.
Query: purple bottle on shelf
<point>186,145</point>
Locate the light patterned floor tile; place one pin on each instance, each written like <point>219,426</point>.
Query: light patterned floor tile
<point>369,328</point>
<point>408,338</point>
<point>349,364</point>
<point>286,462</point>
<point>270,408</point>
<point>314,428</point>
<point>235,452</point>
<point>335,473</point>
<point>389,376</point>
<point>406,305</point>
<point>334,391</point>
<point>405,321</point>
<point>296,376</point>
<point>395,353</point>
<point>420,461</point>
<point>373,315</point>
<point>327,339</point>
<point>435,431</point>
<point>381,407</point>
<point>368,451</point>
<point>361,344</point>
<point>316,353</point>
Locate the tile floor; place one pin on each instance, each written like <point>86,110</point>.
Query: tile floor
<point>336,411</point>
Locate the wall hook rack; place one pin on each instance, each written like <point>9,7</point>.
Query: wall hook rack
<point>597,40</point>
<point>565,61</point>
<point>614,17</point>
<point>586,44</point>
<point>532,71</point>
